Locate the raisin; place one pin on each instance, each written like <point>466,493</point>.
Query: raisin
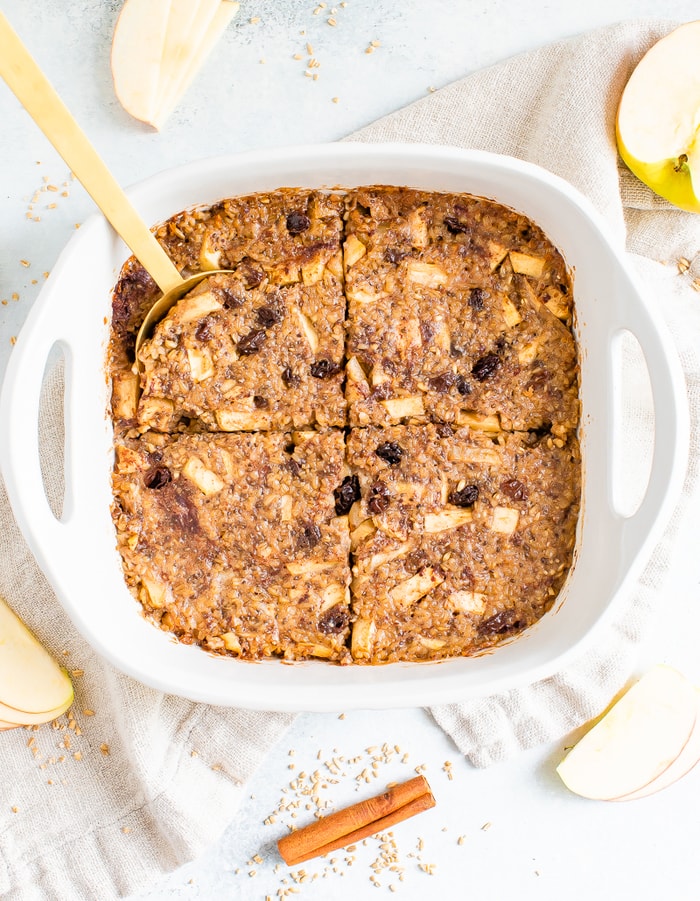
<point>463,385</point>
<point>455,227</point>
<point>203,330</point>
<point>394,255</point>
<point>231,298</point>
<point>334,620</point>
<point>417,559</point>
<point>269,315</point>
<point>252,276</point>
<point>456,350</point>
<point>309,536</point>
<point>442,383</point>
<point>444,429</point>
<point>260,402</point>
<point>378,498</point>
<point>485,367</point>
<point>293,466</point>
<point>465,497</point>
<point>382,391</point>
<point>514,489</point>
<point>252,342</point>
<point>346,494</point>
<point>477,296</point>
<point>563,288</point>
<point>390,452</point>
<point>290,379</point>
<point>324,369</point>
<point>158,477</point>
<point>505,621</point>
<point>526,233</point>
<point>297,223</point>
<point>538,380</point>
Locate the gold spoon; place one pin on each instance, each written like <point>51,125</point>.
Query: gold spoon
<point>34,91</point>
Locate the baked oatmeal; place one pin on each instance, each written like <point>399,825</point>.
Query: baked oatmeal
<point>233,541</point>
<point>271,445</point>
<point>458,309</point>
<point>458,539</point>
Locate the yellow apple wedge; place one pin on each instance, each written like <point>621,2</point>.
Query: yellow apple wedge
<point>681,766</point>
<point>636,741</point>
<point>658,119</point>
<point>31,682</point>
<point>137,50</point>
<point>5,727</point>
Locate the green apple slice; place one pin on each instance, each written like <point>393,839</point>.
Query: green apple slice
<point>658,119</point>
<point>681,766</point>
<point>636,741</point>
<point>31,682</point>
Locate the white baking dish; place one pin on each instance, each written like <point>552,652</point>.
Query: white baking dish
<point>78,552</point>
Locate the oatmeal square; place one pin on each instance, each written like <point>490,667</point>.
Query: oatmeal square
<point>458,539</point>
<point>259,348</point>
<point>459,310</point>
<point>233,542</point>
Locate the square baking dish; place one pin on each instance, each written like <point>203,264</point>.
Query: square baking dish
<point>78,551</point>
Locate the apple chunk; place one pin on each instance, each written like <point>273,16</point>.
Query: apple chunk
<point>31,682</point>
<point>636,741</point>
<point>658,119</point>
<point>681,766</point>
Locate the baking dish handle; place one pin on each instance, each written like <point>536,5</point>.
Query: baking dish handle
<point>19,437</point>
<point>671,428</point>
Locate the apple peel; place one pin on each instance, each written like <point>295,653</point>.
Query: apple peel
<point>636,741</point>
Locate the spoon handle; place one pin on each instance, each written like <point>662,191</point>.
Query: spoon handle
<point>26,80</point>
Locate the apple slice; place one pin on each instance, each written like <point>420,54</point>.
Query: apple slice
<point>30,680</point>
<point>681,766</point>
<point>179,79</point>
<point>658,119</point>
<point>636,741</point>
<point>22,718</point>
<point>5,727</point>
<point>137,50</point>
<point>187,25</point>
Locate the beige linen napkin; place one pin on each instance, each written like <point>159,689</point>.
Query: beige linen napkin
<point>134,782</point>
<point>556,107</point>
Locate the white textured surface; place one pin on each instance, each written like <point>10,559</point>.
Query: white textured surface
<point>543,842</point>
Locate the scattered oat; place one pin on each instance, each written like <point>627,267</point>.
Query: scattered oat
<point>77,672</point>
<point>431,89</point>
<point>683,265</point>
<point>341,716</point>
<point>25,263</point>
<point>13,340</point>
<point>336,99</point>
<point>461,839</point>
<point>298,56</point>
<point>14,809</point>
<point>104,747</point>
<point>254,20</point>
<point>88,712</point>
<point>78,755</point>
<point>695,284</point>
<point>332,22</point>
<point>486,827</point>
<point>126,829</point>
<point>14,295</point>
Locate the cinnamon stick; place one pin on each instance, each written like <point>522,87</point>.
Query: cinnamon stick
<point>357,822</point>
